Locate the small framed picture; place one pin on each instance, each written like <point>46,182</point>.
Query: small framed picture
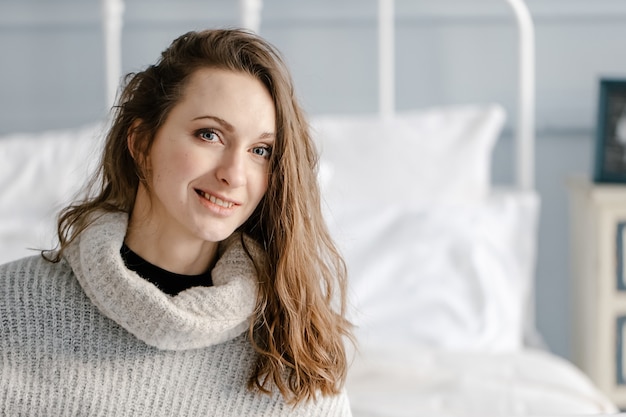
<point>610,153</point>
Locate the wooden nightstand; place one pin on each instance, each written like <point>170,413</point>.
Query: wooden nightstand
<point>598,253</point>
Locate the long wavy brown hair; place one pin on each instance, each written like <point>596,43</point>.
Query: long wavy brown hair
<point>300,325</point>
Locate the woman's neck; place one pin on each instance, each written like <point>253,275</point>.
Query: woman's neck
<point>169,249</point>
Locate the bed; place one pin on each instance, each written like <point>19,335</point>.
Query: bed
<point>441,262</point>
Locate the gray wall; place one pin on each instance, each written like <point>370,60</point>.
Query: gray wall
<point>448,51</point>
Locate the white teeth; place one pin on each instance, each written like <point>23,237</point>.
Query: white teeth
<point>217,201</point>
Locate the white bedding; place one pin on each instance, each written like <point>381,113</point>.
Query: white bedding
<point>435,256</point>
<point>453,276</point>
<point>433,382</point>
<point>40,174</point>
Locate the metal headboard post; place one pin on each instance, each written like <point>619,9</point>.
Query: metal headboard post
<point>386,58</point>
<point>525,134</point>
<point>112,15</point>
<point>250,14</point>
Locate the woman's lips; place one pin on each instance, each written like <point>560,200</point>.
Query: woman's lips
<point>216,200</point>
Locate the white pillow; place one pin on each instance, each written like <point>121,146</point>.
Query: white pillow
<point>440,155</point>
<point>40,173</point>
<point>451,276</point>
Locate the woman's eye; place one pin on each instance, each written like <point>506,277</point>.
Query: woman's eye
<point>208,135</point>
<point>263,151</point>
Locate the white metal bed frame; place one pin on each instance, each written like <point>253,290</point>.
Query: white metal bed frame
<point>250,18</point>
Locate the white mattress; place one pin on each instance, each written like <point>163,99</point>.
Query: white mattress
<point>429,382</point>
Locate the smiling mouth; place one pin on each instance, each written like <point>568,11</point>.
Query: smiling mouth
<point>215,200</point>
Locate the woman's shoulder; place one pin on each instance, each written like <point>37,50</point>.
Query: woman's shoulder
<point>34,274</point>
<point>31,263</point>
<point>331,405</point>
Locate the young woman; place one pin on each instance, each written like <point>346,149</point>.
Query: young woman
<point>197,278</point>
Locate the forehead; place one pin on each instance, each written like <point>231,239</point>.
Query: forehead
<point>220,92</point>
<point>209,80</point>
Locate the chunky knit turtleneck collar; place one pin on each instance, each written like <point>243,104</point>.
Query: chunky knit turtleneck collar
<point>195,318</point>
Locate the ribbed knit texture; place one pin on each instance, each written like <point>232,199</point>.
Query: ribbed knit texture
<point>61,356</point>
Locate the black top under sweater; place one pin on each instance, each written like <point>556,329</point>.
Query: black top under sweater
<point>168,282</point>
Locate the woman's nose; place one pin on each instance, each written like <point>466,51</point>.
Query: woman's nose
<point>231,168</point>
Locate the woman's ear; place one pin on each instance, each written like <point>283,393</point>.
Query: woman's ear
<point>137,149</point>
<point>132,140</point>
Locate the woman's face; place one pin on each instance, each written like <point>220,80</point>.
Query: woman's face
<point>209,162</point>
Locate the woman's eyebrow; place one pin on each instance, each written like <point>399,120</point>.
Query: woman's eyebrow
<point>224,124</point>
<point>268,135</point>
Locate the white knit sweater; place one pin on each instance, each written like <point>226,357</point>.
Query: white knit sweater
<point>88,337</point>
